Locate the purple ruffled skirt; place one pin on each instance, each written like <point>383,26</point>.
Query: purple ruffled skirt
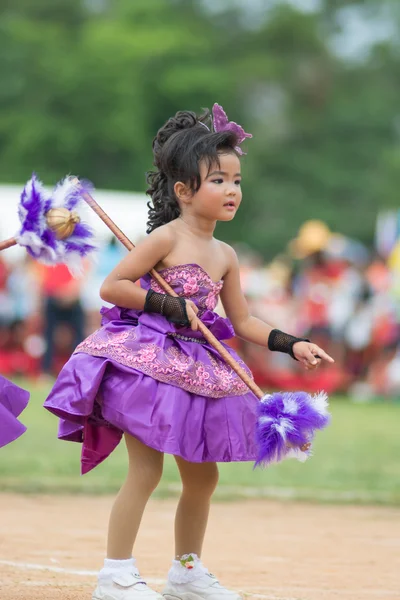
<point>163,385</point>
<point>13,400</point>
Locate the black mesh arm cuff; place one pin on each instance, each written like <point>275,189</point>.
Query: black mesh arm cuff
<point>173,309</point>
<point>279,341</point>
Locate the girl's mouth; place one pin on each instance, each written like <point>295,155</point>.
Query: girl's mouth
<point>231,205</point>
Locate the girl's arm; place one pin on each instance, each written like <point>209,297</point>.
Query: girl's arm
<point>255,330</point>
<point>119,286</point>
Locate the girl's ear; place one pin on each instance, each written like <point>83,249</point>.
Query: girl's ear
<point>183,192</point>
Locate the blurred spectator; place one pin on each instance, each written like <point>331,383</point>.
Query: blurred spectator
<point>61,306</point>
<point>6,304</point>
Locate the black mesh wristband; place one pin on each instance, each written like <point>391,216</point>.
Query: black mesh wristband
<point>278,341</point>
<point>173,309</point>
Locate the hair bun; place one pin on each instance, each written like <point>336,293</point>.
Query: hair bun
<point>183,119</point>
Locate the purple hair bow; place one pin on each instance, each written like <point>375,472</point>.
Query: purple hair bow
<point>221,123</point>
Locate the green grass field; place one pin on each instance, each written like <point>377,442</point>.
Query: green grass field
<point>357,459</point>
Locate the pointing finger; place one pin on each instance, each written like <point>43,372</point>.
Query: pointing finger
<point>323,355</point>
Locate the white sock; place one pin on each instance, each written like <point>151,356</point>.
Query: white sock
<point>185,573</point>
<point>111,567</point>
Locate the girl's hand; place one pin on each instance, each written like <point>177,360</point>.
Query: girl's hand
<point>192,310</point>
<point>310,355</point>
<point>303,448</point>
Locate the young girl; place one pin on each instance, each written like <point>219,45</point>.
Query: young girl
<point>148,373</point>
<point>13,400</point>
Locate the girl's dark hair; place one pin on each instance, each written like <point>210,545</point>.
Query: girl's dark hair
<point>178,148</point>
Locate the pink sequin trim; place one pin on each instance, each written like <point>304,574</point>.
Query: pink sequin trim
<point>211,377</point>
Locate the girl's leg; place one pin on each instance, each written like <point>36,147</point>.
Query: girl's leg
<point>144,474</point>
<point>199,481</point>
<point>188,578</point>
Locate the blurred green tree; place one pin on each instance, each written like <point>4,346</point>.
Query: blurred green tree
<point>85,84</point>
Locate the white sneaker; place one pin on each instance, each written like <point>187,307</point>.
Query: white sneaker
<point>206,587</point>
<point>125,586</point>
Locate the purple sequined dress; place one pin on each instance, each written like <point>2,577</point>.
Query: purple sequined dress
<point>13,400</point>
<point>161,383</point>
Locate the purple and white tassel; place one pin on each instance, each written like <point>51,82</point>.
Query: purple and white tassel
<point>287,422</point>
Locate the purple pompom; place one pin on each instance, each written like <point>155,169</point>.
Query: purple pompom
<point>287,421</point>
<point>40,241</point>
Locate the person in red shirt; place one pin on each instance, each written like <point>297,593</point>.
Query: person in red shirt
<point>61,305</point>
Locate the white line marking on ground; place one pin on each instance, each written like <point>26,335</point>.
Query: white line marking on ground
<point>34,567</point>
<point>82,573</point>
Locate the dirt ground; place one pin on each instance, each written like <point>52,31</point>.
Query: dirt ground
<point>51,548</point>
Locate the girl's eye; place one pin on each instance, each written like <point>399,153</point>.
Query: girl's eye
<point>219,181</point>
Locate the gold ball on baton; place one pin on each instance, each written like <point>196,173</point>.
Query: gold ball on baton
<point>62,221</point>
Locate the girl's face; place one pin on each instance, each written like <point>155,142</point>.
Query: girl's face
<point>219,195</point>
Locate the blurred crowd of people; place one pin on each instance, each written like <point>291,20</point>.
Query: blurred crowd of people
<point>327,288</point>
<point>45,311</point>
<point>336,293</point>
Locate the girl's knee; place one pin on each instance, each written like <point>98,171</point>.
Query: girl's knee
<point>145,475</point>
<point>145,465</point>
<point>153,477</point>
<point>200,479</point>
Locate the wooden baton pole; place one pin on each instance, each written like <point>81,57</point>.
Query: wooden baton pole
<point>8,243</point>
